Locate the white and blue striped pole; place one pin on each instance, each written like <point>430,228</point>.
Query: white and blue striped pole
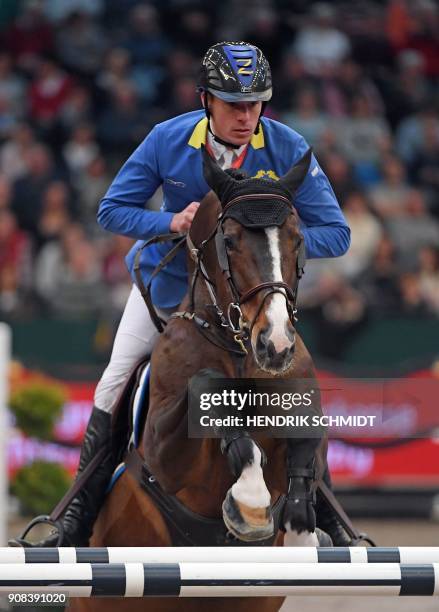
<point>221,579</point>
<point>237,554</point>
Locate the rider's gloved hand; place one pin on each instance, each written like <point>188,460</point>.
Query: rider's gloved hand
<point>182,221</point>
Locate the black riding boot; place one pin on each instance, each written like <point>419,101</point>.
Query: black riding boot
<point>81,514</point>
<point>327,520</point>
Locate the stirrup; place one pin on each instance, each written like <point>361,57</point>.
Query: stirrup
<point>41,519</point>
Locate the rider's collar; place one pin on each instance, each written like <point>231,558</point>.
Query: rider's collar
<point>199,136</point>
<point>220,152</point>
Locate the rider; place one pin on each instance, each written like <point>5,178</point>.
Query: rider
<point>235,86</point>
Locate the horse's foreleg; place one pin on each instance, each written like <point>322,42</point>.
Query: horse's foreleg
<point>299,518</point>
<point>246,508</point>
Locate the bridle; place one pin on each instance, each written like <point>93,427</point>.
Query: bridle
<point>233,319</point>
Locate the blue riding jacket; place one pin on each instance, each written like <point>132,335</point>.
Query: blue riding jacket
<point>171,156</point>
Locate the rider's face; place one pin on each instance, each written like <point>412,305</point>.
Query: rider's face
<point>234,122</point>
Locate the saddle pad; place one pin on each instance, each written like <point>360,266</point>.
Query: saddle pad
<point>138,409</point>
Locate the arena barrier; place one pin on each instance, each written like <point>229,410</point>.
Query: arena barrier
<point>220,579</point>
<point>241,554</point>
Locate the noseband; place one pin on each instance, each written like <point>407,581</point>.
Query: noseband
<point>252,211</point>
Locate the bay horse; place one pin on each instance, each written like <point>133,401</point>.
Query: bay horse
<point>246,255</point>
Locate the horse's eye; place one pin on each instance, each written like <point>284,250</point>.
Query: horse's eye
<point>228,241</point>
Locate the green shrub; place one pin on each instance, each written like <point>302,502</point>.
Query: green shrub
<point>36,406</point>
<point>39,486</point>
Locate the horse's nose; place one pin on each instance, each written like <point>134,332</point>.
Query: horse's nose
<point>266,351</point>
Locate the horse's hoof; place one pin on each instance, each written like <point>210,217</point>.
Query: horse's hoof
<point>323,538</point>
<point>246,523</point>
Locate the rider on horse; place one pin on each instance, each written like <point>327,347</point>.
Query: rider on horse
<point>235,86</point>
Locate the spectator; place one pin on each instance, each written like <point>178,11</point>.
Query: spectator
<point>348,83</point>
<point>339,173</point>
<point>116,70</point>
<point>77,108</point>
<point>292,80</point>
<point>122,126</point>
<point>363,138</point>
<point>28,190</point>
<point>184,95</point>
<point>55,213</point>
<point>389,197</point>
<point>12,88</point>
<point>15,262</point>
<point>320,45</point>
<point>194,25</point>
<point>49,91</point>
<point>307,117</point>
<point>81,44</point>
<point>410,133</point>
<point>68,276</point>
<point>366,232</point>
<point>80,150</point>
<point>62,9</point>
<point>145,40</point>
<point>30,36</point>
<point>413,229</point>
<point>343,312</point>
<point>265,33</point>
<point>425,165</point>
<point>422,35</point>
<point>14,152</point>
<point>91,187</point>
<point>116,275</point>
<point>5,193</point>
<point>379,282</point>
<point>411,301</point>
<point>409,90</point>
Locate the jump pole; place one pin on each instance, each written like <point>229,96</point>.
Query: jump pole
<point>221,579</point>
<point>236,554</point>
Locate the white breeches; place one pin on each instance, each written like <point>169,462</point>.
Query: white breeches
<point>135,338</point>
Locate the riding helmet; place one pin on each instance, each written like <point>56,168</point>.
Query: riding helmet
<point>236,72</point>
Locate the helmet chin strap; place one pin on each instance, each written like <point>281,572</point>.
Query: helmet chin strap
<point>229,145</point>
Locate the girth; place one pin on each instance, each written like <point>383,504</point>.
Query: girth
<point>187,528</point>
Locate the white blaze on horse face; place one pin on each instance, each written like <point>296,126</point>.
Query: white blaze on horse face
<point>277,313</point>
<point>250,488</point>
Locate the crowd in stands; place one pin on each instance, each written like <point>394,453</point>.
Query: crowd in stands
<point>83,81</point>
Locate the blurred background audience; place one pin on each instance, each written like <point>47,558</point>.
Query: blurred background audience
<point>82,82</point>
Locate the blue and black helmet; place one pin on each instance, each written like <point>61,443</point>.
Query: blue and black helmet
<point>236,72</point>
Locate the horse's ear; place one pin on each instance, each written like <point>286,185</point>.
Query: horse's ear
<point>214,176</point>
<point>295,175</point>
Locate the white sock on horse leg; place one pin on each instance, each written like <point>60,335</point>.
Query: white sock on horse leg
<point>250,488</point>
<point>305,538</point>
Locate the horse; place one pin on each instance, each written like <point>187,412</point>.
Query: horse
<point>245,259</point>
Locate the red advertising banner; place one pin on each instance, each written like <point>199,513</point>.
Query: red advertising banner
<point>401,451</point>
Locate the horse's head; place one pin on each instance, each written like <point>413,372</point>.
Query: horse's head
<point>258,257</point>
